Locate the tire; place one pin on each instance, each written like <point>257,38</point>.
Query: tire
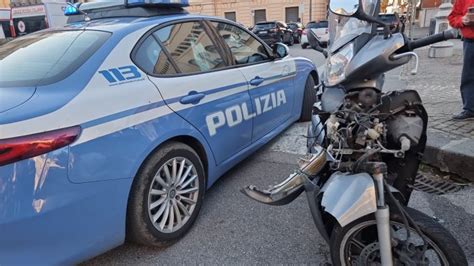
<point>309,99</point>
<point>304,45</point>
<point>432,230</point>
<point>147,190</point>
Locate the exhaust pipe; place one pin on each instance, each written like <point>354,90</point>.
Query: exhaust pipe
<point>291,187</point>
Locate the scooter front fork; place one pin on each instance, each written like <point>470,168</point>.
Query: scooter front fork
<point>382,217</point>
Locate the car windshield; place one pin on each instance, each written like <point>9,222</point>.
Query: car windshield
<point>46,57</point>
<point>265,26</point>
<point>317,25</point>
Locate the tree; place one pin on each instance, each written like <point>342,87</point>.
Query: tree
<point>383,6</point>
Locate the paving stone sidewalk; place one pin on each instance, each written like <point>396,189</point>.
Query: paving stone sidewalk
<point>438,82</point>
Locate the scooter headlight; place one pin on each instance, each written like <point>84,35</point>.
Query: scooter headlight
<point>337,64</point>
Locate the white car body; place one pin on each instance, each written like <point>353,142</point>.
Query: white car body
<point>322,35</point>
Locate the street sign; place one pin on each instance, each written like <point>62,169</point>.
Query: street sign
<point>21,26</point>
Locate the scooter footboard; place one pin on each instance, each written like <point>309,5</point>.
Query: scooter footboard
<point>348,197</point>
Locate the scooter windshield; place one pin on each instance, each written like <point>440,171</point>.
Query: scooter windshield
<point>344,29</point>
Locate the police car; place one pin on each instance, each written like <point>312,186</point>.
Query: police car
<point>114,126</point>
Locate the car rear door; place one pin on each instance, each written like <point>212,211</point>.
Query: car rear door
<point>270,81</point>
<point>191,72</point>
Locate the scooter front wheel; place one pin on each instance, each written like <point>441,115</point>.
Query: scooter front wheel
<point>357,243</point>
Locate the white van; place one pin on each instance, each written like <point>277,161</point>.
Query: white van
<point>49,13</point>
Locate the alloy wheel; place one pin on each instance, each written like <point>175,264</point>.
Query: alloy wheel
<point>173,195</point>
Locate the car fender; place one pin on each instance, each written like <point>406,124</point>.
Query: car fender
<point>179,131</point>
<point>304,68</point>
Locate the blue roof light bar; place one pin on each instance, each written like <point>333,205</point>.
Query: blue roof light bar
<point>173,3</point>
<point>73,9</point>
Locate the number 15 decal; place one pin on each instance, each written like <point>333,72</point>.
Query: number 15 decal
<point>119,74</point>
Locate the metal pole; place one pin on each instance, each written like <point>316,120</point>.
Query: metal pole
<point>310,10</point>
<point>412,11</point>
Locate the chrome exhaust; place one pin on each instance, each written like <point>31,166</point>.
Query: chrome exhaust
<point>291,187</point>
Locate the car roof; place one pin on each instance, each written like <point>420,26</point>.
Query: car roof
<point>129,24</point>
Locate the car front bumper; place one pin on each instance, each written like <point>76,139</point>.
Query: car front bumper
<point>46,219</point>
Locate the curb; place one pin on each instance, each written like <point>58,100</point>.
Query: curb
<point>450,153</point>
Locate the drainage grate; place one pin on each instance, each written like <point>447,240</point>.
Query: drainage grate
<point>434,186</point>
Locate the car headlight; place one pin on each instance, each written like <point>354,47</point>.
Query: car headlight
<point>337,64</point>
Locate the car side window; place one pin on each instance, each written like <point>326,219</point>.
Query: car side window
<point>152,59</point>
<point>244,47</point>
<point>190,47</point>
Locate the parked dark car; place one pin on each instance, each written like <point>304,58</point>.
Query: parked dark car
<point>393,20</point>
<point>297,29</point>
<point>272,32</point>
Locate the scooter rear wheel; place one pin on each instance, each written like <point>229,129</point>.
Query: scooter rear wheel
<point>357,244</point>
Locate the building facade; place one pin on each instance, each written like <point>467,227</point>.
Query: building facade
<point>248,12</point>
<point>4,3</point>
<point>428,11</point>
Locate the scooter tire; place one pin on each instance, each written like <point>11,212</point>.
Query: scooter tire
<point>436,233</point>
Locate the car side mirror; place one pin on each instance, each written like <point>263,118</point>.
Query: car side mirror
<point>280,50</point>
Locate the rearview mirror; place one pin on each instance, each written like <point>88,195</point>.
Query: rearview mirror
<point>344,7</point>
<point>280,50</point>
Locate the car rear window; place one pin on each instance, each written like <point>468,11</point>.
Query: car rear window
<point>388,18</point>
<point>292,26</point>
<point>317,25</point>
<point>46,57</point>
<point>265,26</point>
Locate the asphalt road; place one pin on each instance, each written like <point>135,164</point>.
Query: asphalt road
<point>232,229</point>
<point>316,57</point>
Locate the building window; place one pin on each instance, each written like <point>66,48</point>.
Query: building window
<point>231,16</point>
<point>292,14</point>
<point>260,15</point>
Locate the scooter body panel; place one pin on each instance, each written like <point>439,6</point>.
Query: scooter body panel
<point>348,197</point>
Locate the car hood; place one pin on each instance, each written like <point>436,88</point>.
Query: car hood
<point>12,97</point>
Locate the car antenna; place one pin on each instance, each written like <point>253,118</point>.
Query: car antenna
<point>86,16</point>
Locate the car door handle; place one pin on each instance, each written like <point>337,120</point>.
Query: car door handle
<point>257,81</point>
<point>193,97</point>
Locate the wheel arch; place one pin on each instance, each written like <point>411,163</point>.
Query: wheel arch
<point>304,69</point>
<point>189,140</point>
<point>314,74</point>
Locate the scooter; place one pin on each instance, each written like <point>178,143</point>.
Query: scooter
<point>364,149</point>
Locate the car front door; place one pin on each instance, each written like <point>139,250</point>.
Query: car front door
<point>191,72</point>
<point>270,81</point>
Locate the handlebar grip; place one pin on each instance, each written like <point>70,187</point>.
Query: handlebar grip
<point>443,36</point>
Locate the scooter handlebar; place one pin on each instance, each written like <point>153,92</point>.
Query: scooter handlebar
<point>443,36</point>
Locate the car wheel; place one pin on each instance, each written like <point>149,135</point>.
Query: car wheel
<point>304,45</point>
<point>166,196</point>
<point>309,99</point>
